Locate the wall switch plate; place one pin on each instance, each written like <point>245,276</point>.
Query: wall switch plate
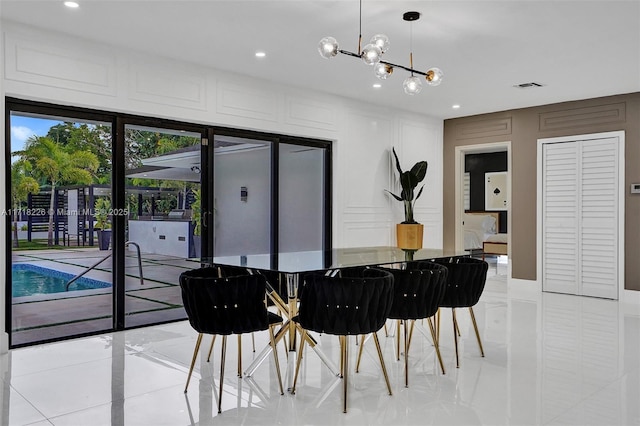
<point>635,188</point>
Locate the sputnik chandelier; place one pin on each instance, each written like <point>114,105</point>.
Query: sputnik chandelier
<point>372,53</point>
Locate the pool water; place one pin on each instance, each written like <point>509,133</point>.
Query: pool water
<point>30,280</point>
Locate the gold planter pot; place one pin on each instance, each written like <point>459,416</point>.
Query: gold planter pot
<point>409,235</point>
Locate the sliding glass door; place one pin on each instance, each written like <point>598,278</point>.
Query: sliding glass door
<point>107,210</point>
<point>302,198</point>
<point>162,227</point>
<point>270,196</point>
<point>60,173</point>
<point>242,196</point>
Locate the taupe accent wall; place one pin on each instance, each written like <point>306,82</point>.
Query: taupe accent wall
<point>523,127</point>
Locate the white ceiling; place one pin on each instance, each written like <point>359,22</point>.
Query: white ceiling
<point>576,49</point>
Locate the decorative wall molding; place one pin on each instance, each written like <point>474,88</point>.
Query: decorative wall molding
<point>308,113</point>
<point>364,157</point>
<point>164,85</point>
<point>587,116</point>
<point>246,101</point>
<point>368,233</point>
<point>483,128</point>
<point>59,65</point>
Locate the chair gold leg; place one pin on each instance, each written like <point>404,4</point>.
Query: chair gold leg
<point>253,341</point>
<point>275,357</point>
<point>345,371</point>
<point>239,355</point>
<point>222,359</point>
<point>455,323</point>
<point>286,348</point>
<point>438,324</point>
<point>455,335</point>
<point>384,367</point>
<point>475,327</point>
<point>406,355</point>
<point>398,340</point>
<point>360,353</point>
<point>303,337</point>
<point>341,356</point>
<point>413,323</point>
<point>386,332</point>
<point>193,360</point>
<point>436,344</point>
<point>211,348</point>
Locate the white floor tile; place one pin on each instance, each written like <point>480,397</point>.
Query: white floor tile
<point>550,359</point>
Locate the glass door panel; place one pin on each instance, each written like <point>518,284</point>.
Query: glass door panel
<point>301,203</point>
<point>61,279</point>
<point>163,206</point>
<point>242,199</point>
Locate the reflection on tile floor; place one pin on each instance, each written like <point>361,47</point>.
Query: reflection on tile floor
<point>58,315</point>
<point>551,359</point>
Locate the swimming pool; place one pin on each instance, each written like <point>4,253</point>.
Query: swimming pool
<point>30,280</point>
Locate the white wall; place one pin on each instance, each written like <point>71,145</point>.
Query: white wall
<point>55,68</point>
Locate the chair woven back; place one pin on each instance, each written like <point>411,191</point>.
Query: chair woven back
<point>228,305</point>
<point>418,290</point>
<point>357,301</point>
<point>465,281</point>
<point>273,277</point>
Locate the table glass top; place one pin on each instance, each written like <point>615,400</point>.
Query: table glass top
<point>305,261</point>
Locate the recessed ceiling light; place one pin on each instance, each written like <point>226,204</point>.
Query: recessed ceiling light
<point>456,106</point>
<point>71,4</point>
<point>260,54</point>
<point>377,85</point>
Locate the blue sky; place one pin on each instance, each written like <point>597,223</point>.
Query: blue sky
<point>22,128</point>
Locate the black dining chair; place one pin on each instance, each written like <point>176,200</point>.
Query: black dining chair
<point>465,282</point>
<point>352,301</point>
<point>224,306</point>
<point>417,293</point>
<point>229,271</point>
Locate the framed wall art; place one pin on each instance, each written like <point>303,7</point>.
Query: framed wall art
<point>495,191</point>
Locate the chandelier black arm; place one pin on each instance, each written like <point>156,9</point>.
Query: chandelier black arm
<point>411,70</point>
<point>346,52</point>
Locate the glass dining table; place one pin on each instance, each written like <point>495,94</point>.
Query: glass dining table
<point>290,267</point>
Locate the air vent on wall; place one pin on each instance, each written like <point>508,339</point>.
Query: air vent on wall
<point>527,85</point>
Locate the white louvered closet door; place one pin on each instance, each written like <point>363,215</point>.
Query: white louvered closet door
<point>580,218</point>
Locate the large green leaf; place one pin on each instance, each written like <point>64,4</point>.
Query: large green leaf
<point>397,161</point>
<point>419,171</point>
<point>395,196</point>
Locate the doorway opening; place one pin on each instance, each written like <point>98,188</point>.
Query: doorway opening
<point>483,200</point>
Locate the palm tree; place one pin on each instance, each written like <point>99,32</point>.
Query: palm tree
<point>55,166</point>
<point>21,185</point>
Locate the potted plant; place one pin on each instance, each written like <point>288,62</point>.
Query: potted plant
<point>103,223</point>
<point>409,232</point>
<point>197,222</point>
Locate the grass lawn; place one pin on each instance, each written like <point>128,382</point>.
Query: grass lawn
<point>37,245</point>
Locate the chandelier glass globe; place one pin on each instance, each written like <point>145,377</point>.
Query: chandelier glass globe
<point>371,54</point>
<point>328,47</point>
<point>412,85</point>
<point>382,41</point>
<point>382,71</point>
<point>434,76</point>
